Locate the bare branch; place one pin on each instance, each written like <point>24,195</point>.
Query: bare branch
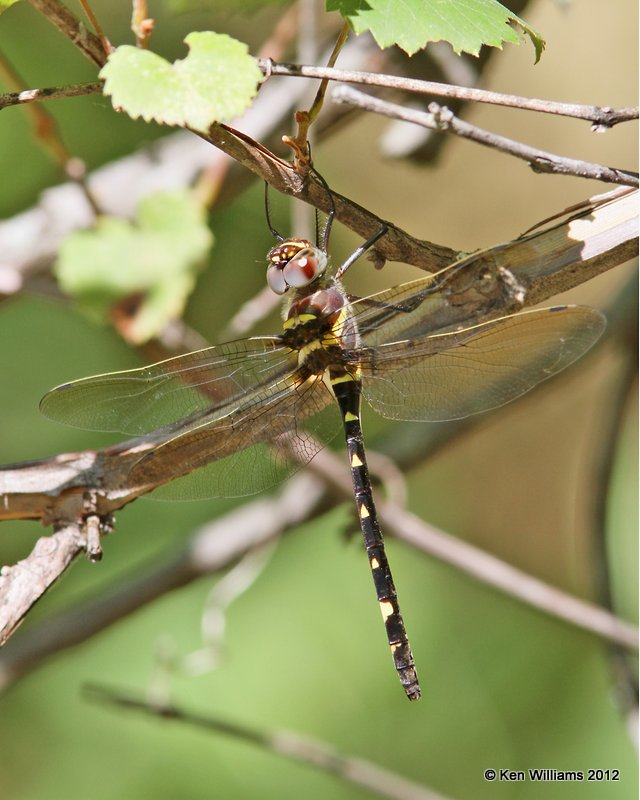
<point>67,23</point>
<point>49,93</point>
<point>30,240</point>
<point>602,117</point>
<point>287,744</point>
<point>55,490</point>
<point>489,284</point>
<point>442,119</point>
<point>25,582</point>
<point>397,245</point>
<point>211,549</point>
<point>482,566</point>
<point>218,545</point>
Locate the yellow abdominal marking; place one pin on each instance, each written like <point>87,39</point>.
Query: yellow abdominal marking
<point>342,378</point>
<point>349,417</point>
<point>375,563</point>
<point>363,511</point>
<point>355,461</point>
<point>386,609</point>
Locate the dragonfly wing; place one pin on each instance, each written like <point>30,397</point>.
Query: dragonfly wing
<point>247,449</point>
<point>139,401</point>
<point>459,373</point>
<point>414,309</point>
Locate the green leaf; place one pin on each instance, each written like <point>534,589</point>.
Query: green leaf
<point>216,81</point>
<point>4,4</point>
<point>410,24</point>
<point>155,260</point>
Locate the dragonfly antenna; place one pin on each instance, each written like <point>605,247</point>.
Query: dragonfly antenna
<point>267,214</point>
<point>332,212</point>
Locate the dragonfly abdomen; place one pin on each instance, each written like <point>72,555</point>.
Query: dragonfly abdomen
<point>347,390</point>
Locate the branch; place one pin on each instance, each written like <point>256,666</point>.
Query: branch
<point>484,567</point>
<point>211,549</point>
<point>55,489</point>
<point>29,241</point>
<point>49,93</point>
<point>216,546</point>
<point>67,23</point>
<point>24,583</point>
<point>293,746</point>
<point>601,117</point>
<point>442,119</point>
<point>397,245</point>
<point>596,236</point>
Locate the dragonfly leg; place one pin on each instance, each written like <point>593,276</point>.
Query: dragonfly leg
<point>347,391</point>
<point>360,250</point>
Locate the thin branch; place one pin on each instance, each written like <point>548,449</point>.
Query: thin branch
<point>482,566</point>
<point>287,744</point>
<point>211,549</point>
<point>49,93</point>
<point>30,240</point>
<point>215,547</point>
<point>22,584</point>
<point>481,287</point>
<point>67,23</point>
<point>141,24</point>
<point>442,119</point>
<point>93,19</point>
<point>601,117</point>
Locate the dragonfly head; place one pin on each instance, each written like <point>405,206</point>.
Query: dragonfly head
<point>294,264</point>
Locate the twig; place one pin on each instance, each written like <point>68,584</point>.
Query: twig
<point>25,582</point>
<point>44,125</point>
<point>480,287</point>
<point>211,549</point>
<point>442,119</point>
<point>67,23</point>
<point>602,117</point>
<point>287,744</point>
<point>30,240</point>
<point>48,134</point>
<point>49,93</point>
<point>483,566</point>
<point>93,19</point>
<point>218,545</point>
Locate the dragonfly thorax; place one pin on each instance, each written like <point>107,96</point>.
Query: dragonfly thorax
<point>294,264</point>
<point>322,318</point>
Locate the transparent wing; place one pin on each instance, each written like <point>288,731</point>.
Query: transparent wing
<point>416,308</point>
<point>176,391</point>
<point>455,374</point>
<point>231,416</point>
<point>246,450</point>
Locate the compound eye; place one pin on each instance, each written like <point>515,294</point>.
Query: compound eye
<point>276,280</point>
<point>305,267</point>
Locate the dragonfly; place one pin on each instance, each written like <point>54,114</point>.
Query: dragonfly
<point>237,418</point>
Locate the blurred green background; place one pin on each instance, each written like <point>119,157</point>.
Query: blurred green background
<point>504,686</point>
